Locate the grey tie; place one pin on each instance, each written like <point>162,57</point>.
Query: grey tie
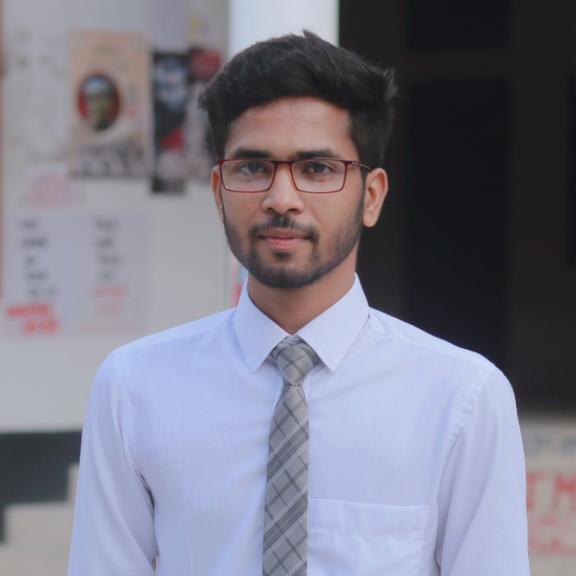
<point>286,514</point>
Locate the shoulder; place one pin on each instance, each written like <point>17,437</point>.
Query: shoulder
<point>411,339</point>
<point>147,368</point>
<point>462,385</point>
<point>172,346</point>
<point>444,369</point>
<point>195,329</point>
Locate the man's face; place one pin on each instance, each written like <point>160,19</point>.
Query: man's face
<point>284,237</point>
<point>100,110</point>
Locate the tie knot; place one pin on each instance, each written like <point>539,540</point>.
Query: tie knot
<point>294,359</point>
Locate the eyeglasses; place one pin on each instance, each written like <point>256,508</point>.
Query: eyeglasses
<point>314,175</point>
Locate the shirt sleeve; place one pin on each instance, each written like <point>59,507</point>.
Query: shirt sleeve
<point>482,497</point>
<point>113,532</point>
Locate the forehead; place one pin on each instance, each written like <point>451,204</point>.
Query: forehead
<point>288,126</point>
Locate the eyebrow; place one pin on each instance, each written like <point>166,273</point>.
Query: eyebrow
<point>300,155</point>
<point>250,153</point>
<point>322,153</point>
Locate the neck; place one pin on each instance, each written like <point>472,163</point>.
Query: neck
<point>292,309</point>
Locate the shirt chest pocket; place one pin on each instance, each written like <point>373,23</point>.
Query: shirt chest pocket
<point>356,539</point>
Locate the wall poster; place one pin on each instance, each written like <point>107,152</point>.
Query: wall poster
<point>551,490</point>
<point>203,65</point>
<point>170,88</point>
<point>110,105</point>
<point>74,273</point>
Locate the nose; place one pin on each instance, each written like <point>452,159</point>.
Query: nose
<point>283,196</point>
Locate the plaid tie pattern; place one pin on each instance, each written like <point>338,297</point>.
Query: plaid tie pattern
<point>286,513</point>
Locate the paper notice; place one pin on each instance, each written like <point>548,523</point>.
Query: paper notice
<point>203,65</point>
<point>70,273</point>
<point>551,464</point>
<point>170,105</point>
<point>110,103</point>
<point>37,287</point>
<point>111,276</point>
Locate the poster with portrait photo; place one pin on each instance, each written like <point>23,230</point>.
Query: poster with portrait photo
<point>170,89</point>
<point>110,103</point>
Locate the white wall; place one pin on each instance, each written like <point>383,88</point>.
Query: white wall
<point>183,259</point>
<point>179,259</point>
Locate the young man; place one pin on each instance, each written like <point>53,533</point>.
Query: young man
<point>302,432</point>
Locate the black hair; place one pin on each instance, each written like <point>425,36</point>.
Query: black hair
<point>304,65</point>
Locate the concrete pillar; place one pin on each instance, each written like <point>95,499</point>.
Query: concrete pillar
<point>254,20</point>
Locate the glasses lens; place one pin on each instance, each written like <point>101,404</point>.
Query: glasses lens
<point>247,175</point>
<point>319,174</point>
<point>312,175</point>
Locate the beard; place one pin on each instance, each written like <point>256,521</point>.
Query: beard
<point>280,274</point>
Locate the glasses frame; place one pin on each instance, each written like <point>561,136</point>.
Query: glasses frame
<point>290,164</point>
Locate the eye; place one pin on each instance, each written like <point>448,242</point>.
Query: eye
<point>317,167</point>
<point>251,168</point>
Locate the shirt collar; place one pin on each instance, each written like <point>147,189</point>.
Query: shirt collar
<point>331,334</point>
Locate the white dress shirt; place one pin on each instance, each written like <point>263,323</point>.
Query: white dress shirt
<point>416,461</point>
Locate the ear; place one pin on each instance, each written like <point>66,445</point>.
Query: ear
<point>216,189</point>
<point>375,192</point>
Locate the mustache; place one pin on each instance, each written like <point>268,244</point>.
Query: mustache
<point>286,222</point>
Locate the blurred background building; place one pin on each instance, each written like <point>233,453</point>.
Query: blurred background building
<point>108,230</point>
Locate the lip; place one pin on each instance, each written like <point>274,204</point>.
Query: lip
<point>286,233</point>
<point>282,239</point>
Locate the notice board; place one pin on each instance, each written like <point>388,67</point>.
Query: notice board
<point>91,255</point>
